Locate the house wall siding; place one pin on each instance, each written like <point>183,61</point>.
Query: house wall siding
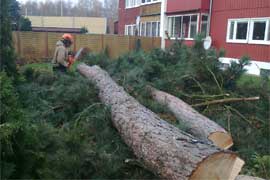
<point>229,9</point>
<point>186,5</point>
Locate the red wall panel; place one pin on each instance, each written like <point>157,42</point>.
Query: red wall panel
<point>186,5</point>
<point>224,10</point>
<point>126,16</point>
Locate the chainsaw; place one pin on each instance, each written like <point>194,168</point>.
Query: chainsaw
<point>72,58</point>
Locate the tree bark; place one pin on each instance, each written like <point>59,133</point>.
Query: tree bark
<point>164,149</point>
<point>198,124</point>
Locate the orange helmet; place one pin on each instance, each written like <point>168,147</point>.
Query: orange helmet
<point>68,37</point>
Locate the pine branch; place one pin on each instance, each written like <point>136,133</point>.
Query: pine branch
<point>224,101</point>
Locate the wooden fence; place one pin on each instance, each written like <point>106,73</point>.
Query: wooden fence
<point>38,46</point>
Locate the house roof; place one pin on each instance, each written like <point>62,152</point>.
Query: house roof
<point>95,25</point>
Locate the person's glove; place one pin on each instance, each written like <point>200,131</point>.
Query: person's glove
<point>70,60</point>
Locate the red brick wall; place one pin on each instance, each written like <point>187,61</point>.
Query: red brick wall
<point>226,9</point>
<point>126,16</point>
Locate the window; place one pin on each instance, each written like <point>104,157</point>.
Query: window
<point>132,3</point>
<point>252,31</point>
<point>259,31</point>
<point>183,26</point>
<point>130,30</point>
<point>204,25</point>
<point>149,1</point>
<point>150,29</point>
<point>238,31</point>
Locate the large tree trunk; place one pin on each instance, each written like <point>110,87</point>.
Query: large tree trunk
<point>199,125</point>
<point>164,149</point>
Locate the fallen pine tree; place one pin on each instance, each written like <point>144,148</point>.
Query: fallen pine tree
<point>199,125</point>
<point>164,149</point>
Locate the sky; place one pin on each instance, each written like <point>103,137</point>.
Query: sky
<point>23,1</point>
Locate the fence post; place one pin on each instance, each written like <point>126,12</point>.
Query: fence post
<point>74,43</point>
<point>129,47</point>
<point>18,42</point>
<point>46,45</point>
<point>102,42</point>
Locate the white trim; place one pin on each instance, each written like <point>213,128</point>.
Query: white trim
<point>254,68</point>
<point>151,25</point>
<point>172,24</point>
<point>265,41</point>
<point>236,21</point>
<point>163,23</point>
<point>133,29</point>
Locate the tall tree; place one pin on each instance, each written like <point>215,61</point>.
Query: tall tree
<point>7,61</point>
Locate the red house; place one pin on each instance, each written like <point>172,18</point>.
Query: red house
<point>241,27</point>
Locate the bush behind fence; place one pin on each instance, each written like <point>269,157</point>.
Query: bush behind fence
<point>40,46</point>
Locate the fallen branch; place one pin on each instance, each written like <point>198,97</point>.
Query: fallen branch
<point>227,100</point>
<point>244,177</point>
<point>163,148</point>
<point>199,125</point>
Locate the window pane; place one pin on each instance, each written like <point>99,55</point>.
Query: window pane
<point>204,29</point>
<point>148,29</point>
<point>241,32</point>
<point>185,28</point>
<point>204,17</point>
<point>158,31</point>
<point>193,26</point>
<point>259,30</point>
<point>143,29</point>
<point>143,1</point>
<point>231,30</point>
<point>177,26</point>
<point>193,30</point>
<point>154,29</point>
<point>170,25</point>
<point>204,25</point>
<point>194,18</point>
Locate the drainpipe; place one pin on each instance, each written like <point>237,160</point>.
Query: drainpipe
<point>210,16</point>
<point>163,22</point>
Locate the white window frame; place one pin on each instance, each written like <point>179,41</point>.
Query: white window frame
<point>252,21</point>
<point>151,2</point>
<point>145,27</point>
<point>133,29</point>
<point>249,39</point>
<point>236,21</point>
<point>173,23</point>
<point>132,3</point>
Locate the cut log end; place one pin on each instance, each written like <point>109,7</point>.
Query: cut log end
<point>218,166</point>
<point>221,139</point>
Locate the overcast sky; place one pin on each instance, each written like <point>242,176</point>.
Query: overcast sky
<point>41,0</point>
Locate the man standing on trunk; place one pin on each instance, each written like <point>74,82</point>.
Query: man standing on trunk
<point>61,57</point>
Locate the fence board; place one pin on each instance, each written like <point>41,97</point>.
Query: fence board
<point>41,45</point>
